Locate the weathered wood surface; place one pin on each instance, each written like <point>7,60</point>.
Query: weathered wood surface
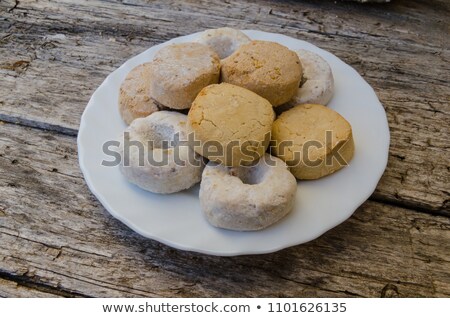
<point>55,234</point>
<point>53,55</point>
<point>9,288</point>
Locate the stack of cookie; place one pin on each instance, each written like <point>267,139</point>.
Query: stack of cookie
<point>232,88</point>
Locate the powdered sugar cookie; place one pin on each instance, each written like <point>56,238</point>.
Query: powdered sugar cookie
<point>247,198</point>
<point>134,98</point>
<point>317,85</point>
<point>224,41</point>
<point>152,162</point>
<point>180,71</point>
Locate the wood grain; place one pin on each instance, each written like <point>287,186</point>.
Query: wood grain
<point>10,288</point>
<point>55,55</point>
<point>100,35</point>
<point>55,234</point>
<point>58,241</point>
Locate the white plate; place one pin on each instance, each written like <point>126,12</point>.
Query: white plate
<point>176,219</point>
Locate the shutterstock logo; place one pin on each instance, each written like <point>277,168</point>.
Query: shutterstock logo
<point>159,153</point>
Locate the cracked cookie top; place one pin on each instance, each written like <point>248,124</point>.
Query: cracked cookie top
<point>232,124</point>
<point>180,71</point>
<point>267,68</point>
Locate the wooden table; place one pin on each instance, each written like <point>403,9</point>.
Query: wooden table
<point>57,240</point>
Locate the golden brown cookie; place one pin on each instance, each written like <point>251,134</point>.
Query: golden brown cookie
<point>134,97</point>
<point>313,140</point>
<point>180,71</point>
<point>267,68</point>
<point>232,124</point>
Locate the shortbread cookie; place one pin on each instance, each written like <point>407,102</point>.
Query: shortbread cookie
<point>313,140</point>
<point>134,98</point>
<point>232,124</point>
<point>180,71</point>
<point>224,41</point>
<point>317,85</point>
<point>247,198</point>
<point>267,68</point>
<point>152,162</point>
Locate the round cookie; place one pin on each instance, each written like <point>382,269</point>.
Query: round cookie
<point>313,140</point>
<point>134,98</point>
<point>231,123</point>
<point>224,41</point>
<point>180,71</point>
<point>154,156</point>
<point>317,85</point>
<point>267,68</point>
<point>247,198</point>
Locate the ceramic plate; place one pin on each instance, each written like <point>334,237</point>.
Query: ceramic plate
<point>176,219</point>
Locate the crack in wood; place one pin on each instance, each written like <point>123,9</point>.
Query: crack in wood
<point>16,4</point>
<point>443,211</point>
<point>34,283</point>
<point>30,123</point>
<point>100,283</point>
<point>353,294</point>
<point>390,291</point>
